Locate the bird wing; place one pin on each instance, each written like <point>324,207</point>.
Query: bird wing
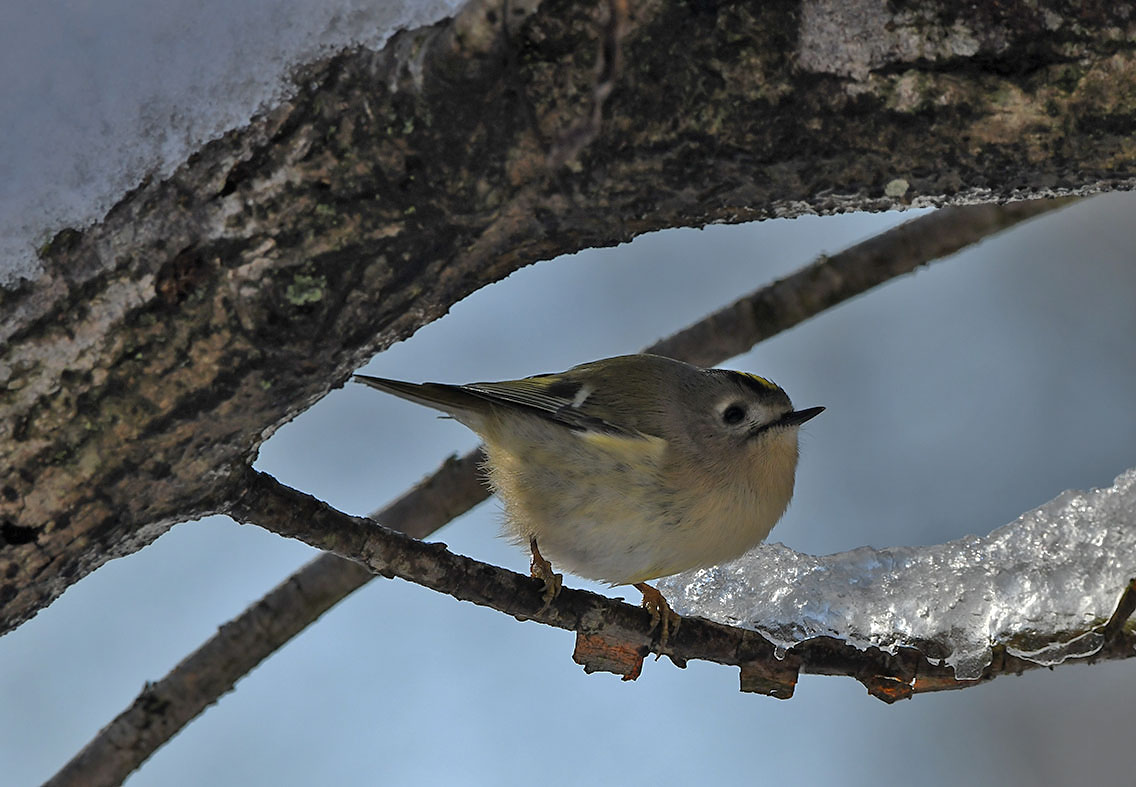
<point>559,398</point>
<point>554,397</point>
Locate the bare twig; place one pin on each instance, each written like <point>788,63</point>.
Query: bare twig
<point>599,619</point>
<point>832,280</point>
<point>1124,609</point>
<point>166,706</point>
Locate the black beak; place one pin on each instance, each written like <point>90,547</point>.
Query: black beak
<point>798,417</point>
<point>794,418</point>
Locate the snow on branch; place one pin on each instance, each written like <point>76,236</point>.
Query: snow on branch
<point>1040,587</point>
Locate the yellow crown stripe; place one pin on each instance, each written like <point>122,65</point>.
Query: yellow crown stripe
<point>772,386</point>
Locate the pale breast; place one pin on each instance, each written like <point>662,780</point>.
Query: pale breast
<point>611,508</point>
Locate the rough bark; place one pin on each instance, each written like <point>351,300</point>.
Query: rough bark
<point>156,351</point>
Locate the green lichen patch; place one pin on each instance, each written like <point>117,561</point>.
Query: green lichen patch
<point>305,288</point>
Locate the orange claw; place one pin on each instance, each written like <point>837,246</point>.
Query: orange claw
<point>661,612</point>
<point>541,569</point>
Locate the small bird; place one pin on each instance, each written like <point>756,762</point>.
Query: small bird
<point>630,468</point>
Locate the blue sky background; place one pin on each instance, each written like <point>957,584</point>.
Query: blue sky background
<point>957,398</point>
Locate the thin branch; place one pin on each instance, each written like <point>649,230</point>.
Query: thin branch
<point>166,706</point>
<point>831,280</point>
<point>1124,609</point>
<point>626,629</point>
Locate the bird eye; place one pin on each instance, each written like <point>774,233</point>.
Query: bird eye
<point>734,414</point>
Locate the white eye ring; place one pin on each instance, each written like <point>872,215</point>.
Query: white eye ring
<point>734,414</point>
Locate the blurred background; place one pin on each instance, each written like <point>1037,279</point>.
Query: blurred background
<point>957,398</point>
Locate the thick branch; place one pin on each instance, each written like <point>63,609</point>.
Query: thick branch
<point>156,351</point>
<point>167,705</point>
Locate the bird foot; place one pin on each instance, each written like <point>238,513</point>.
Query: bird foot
<point>662,616</point>
<point>541,569</point>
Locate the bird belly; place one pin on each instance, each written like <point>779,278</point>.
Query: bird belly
<point>601,506</point>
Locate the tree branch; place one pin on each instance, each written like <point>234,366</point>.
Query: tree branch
<point>156,351</point>
<point>164,707</point>
<point>597,618</point>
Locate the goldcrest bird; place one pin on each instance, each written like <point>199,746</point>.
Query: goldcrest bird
<point>630,468</point>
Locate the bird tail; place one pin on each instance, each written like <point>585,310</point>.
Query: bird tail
<point>451,399</point>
